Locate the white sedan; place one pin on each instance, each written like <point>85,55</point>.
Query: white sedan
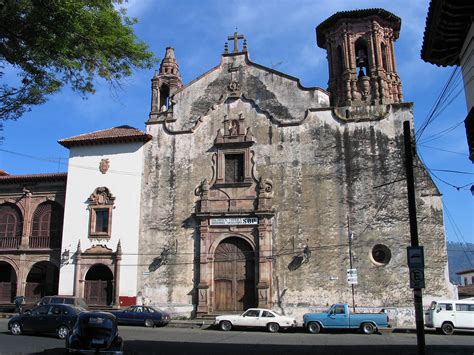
<point>256,317</point>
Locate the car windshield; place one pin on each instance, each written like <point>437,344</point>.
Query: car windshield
<point>153,310</point>
<point>433,305</point>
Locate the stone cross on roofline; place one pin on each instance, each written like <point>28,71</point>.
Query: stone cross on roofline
<point>235,37</point>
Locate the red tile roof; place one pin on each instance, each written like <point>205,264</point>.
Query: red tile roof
<point>120,134</point>
<point>12,179</point>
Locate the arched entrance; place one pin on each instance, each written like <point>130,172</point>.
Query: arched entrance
<point>234,275</point>
<point>7,282</point>
<point>98,288</point>
<point>42,280</point>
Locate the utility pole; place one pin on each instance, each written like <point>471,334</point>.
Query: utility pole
<point>349,234</point>
<point>415,252</point>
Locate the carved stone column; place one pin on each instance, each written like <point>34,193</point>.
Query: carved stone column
<point>204,267</point>
<point>265,263</point>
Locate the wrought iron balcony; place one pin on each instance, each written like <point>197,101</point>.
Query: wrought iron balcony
<point>44,242</point>
<point>9,242</point>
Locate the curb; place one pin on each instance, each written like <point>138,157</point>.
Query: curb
<point>190,324</point>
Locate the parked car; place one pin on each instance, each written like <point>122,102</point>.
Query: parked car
<point>447,315</point>
<point>338,316</point>
<point>255,318</point>
<point>72,300</point>
<point>49,319</point>
<point>142,315</point>
<point>95,332</point>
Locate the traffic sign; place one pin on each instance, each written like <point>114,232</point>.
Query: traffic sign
<point>417,277</point>
<point>415,257</point>
<point>352,276</point>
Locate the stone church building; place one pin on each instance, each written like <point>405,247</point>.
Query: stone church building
<point>248,189</point>
<point>254,186</point>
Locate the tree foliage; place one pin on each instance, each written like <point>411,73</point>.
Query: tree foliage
<point>51,43</point>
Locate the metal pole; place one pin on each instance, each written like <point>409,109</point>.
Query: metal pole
<point>350,261</point>
<point>417,292</point>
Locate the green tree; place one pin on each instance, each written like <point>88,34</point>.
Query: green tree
<point>52,43</point>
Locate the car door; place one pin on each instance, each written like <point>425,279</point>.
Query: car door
<point>267,317</point>
<point>337,318</point>
<point>52,319</point>
<point>125,316</point>
<point>250,318</point>
<point>33,322</point>
<point>138,315</point>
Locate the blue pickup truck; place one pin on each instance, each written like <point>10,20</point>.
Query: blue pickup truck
<point>339,317</point>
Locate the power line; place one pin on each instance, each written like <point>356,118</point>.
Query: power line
<point>442,150</point>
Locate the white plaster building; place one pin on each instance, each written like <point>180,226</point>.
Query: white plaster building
<point>101,218</point>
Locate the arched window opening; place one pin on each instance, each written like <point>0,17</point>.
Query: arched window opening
<point>164,97</point>
<point>362,57</point>
<point>11,226</point>
<point>384,56</point>
<point>47,226</point>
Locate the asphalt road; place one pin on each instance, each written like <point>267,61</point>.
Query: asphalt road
<point>168,340</point>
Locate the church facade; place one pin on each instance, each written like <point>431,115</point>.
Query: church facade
<point>260,192</point>
<point>248,189</point>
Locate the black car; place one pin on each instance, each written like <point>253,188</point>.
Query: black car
<point>49,319</point>
<point>95,332</point>
<point>142,315</point>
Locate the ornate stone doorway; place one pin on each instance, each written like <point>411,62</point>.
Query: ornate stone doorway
<point>234,275</point>
<point>8,282</point>
<point>42,280</point>
<point>98,288</point>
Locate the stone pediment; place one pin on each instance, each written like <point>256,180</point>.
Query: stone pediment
<point>98,249</point>
<point>281,97</point>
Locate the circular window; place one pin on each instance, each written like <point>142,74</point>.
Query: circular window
<point>381,254</point>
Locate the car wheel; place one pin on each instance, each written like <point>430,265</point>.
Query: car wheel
<point>225,325</point>
<point>273,327</point>
<point>149,323</point>
<point>367,328</point>
<point>62,332</point>
<point>447,328</point>
<point>15,328</point>
<point>314,328</point>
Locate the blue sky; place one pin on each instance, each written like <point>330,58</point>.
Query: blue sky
<point>281,35</point>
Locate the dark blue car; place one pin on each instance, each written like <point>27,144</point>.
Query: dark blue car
<point>48,319</point>
<point>142,315</point>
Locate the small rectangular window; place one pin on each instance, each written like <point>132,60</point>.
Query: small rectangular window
<point>102,221</point>
<point>234,168</point>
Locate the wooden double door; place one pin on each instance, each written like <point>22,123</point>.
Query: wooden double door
<point>99,286</point>
<point>234,275</point>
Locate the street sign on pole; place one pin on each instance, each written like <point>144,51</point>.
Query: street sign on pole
<point>415,257</point>
<point>352,276</point>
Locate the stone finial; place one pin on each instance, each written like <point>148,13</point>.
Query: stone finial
<point>79,247</point>
<point>169,66</point>
<point>119,248</point>
<point>226,48</point>
<point>244,48</point>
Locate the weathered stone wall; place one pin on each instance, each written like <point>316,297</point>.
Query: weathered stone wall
<point>325,172</point>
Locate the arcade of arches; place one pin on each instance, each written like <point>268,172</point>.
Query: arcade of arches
<point>41,280</point>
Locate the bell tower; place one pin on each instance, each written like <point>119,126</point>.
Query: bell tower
<point>361,58</point>
<point>164,84</point>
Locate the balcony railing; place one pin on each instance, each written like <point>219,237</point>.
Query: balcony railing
<point>44,242</point>
<point>9,242</point>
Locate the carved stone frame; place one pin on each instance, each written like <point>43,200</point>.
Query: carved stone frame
<point>101,199</point>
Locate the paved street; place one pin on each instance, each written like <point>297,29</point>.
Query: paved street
<point>168,340</point>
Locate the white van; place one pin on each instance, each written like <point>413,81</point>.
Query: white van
<point>447,315</point>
